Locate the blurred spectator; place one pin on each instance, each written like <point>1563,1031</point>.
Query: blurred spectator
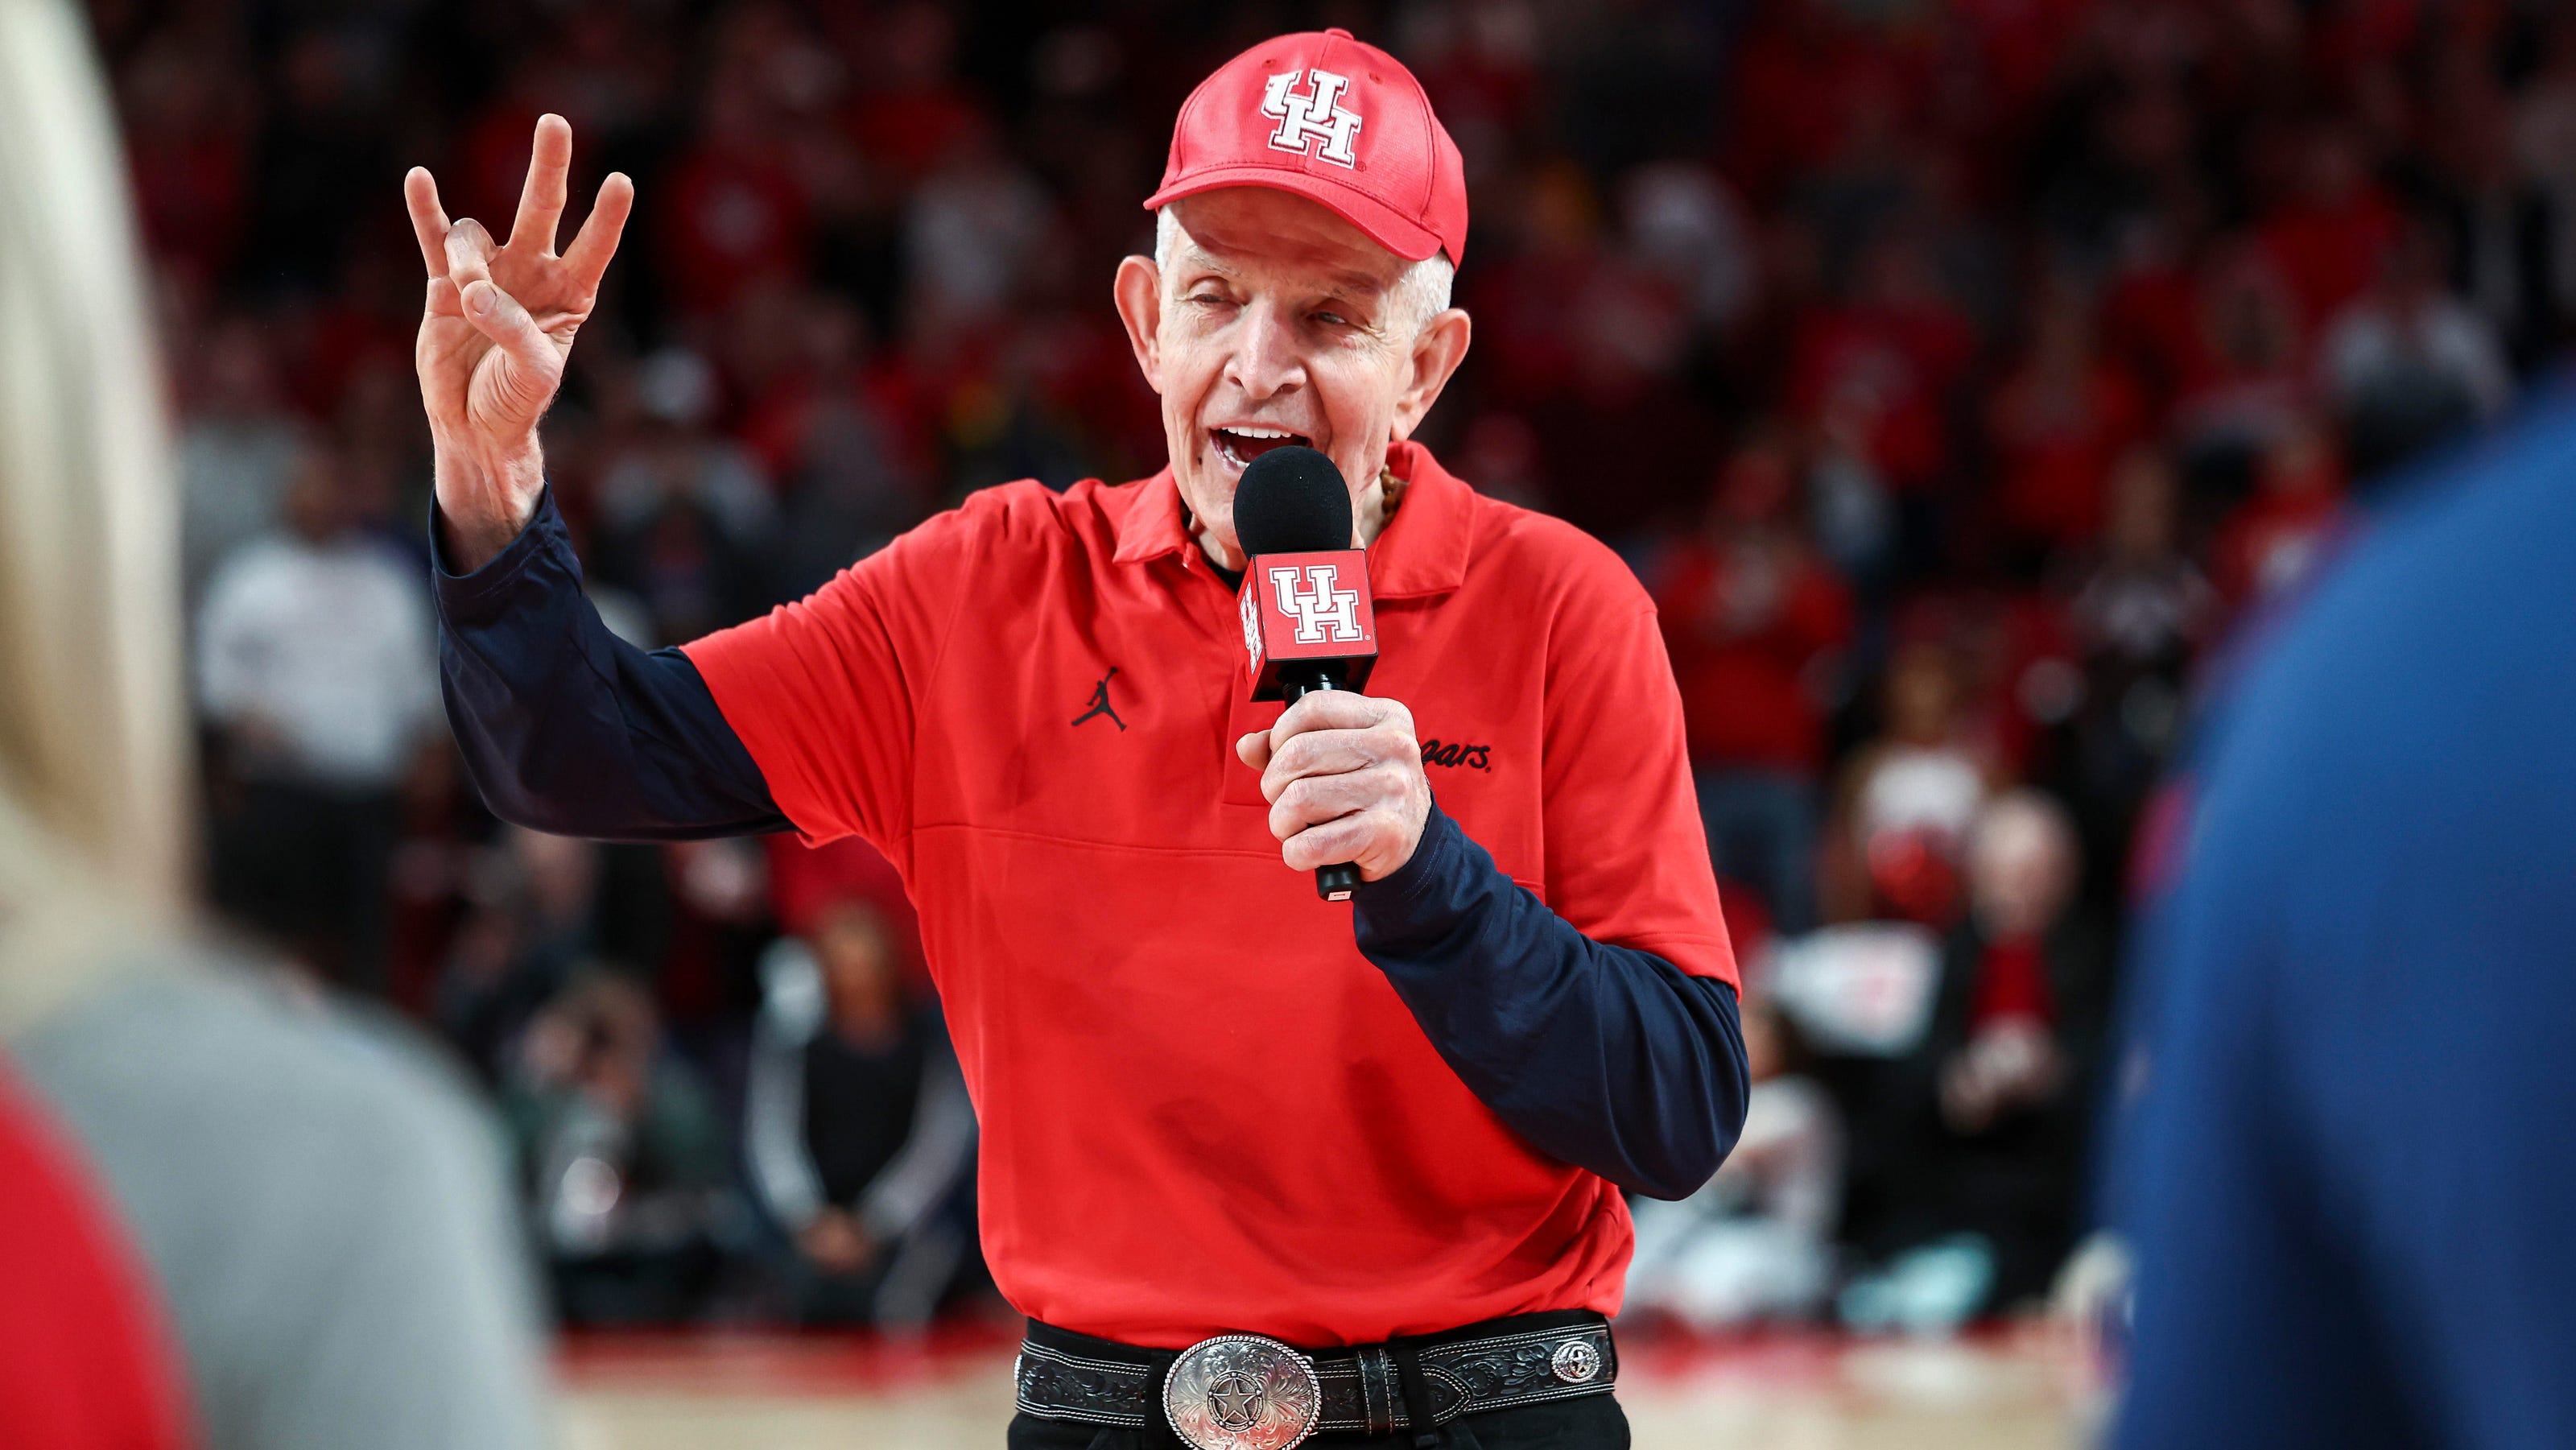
<point>911,108</point>
<point>186,125</point>
<point>1684,223</point>
<point>319,145</point>
<point>806,881</point>
<point>969,233</point>
<point>1499,454</point>
<point>859,1134</point>
<point>314,666</point>
<point>1881,368</point>
<point>2241,379</point>
<point>732,213</point>
<point>834,432</point>
<point>1757,1242</point>
<point>1906,800</point>
<point>2505,228</point>
<point>2056,423</point>
<point>2274,539</point>
<point>686,518</point>
<point>534,926</point>
<point>1753,619</point>
<point>1999,1091</point>
<point>624,1153</point>
<point>2409,364</point>
<point>2139,617</point>
<point>238,451</point>
<point>2330,237</point>
<point>2144,605</point>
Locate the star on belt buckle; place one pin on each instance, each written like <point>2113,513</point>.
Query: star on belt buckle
<point>1242,1392</point>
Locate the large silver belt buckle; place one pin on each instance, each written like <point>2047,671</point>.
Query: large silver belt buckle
<point>1242,1392</point>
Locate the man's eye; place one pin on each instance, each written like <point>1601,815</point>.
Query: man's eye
<point>1210,299</point>
<point>1332,319</point>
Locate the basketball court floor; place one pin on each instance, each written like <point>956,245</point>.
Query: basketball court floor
<point>2008,1390</point>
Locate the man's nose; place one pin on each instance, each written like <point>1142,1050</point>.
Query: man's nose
<point>1266,360</point>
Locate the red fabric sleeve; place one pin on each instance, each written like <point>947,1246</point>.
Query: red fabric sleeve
<point>825,692</point>
<point>1627,857</point>
<point>86,1362</point>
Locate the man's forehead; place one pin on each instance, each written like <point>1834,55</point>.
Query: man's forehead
<point>1244,229</point>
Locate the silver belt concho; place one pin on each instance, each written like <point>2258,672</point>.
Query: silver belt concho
<point>1242,1392</point>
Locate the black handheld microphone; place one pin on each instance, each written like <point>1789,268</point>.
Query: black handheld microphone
<point>1307,620</point>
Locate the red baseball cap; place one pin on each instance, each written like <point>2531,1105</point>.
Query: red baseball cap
<point>1335,121</point>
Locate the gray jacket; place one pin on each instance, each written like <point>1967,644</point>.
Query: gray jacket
<point>322,1203</point>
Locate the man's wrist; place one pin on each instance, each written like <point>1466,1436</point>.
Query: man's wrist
<point>486,498</point>
<point>1425,871</point>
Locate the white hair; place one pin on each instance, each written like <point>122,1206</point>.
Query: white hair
<point>1418,296</point>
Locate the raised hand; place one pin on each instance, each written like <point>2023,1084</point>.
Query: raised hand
<point>498,325</point>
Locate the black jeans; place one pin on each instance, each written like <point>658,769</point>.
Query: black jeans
<point>1594,1422</point>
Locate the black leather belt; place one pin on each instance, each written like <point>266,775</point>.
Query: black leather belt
<point>1247,1392</point>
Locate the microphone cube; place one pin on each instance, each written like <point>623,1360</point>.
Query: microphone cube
<point>1304,613</point>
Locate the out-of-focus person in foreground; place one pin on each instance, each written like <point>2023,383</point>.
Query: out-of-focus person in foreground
<point>315,1210</point>
<point>2348,1172</point>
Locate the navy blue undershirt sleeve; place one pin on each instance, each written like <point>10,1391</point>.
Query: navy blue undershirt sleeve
<point>567,728</point>
<point>1607,1057</point>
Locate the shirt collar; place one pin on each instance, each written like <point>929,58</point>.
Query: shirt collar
<point>1422,550</point>
<point>1153,526</point>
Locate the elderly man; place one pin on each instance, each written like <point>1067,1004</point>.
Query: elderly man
<point>1257,1169</point>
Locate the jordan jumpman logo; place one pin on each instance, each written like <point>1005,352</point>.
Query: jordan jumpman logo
<point>1100,701</point>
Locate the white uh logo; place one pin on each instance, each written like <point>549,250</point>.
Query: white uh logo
<point>1315,114</point>
<point>1322,605</point>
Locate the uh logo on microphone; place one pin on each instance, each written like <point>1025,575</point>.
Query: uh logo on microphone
<point>1305,614</point>
<point>1323,610</point>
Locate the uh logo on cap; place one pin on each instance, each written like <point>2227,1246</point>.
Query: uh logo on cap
<point>1315,116</point>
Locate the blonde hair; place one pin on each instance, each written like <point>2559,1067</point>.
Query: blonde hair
<point>1418,296</point>
<point>93,760</point>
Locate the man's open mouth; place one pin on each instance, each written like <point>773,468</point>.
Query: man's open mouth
<point>1242,443</point>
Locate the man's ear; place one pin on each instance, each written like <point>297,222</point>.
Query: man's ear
<point>1139,294</point>
<point>1436,355</point>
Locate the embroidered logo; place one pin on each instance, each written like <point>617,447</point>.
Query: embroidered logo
<point>1314,116</point>
<point>1323,605</point>
<point>1100,701</point>
<point>1436,752</point>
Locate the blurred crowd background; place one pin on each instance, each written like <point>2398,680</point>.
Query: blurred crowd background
<point>1961,376</point>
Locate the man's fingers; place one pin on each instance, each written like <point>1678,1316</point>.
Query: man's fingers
<point>443,301</point>
<point>541,200</point>
<point>428,218</point>
<point>1326,844</point>
<point>498,316</point>
<point>1328,710</point>
<point>1316,753</point>
<point>591,248</point>
<point>469,253</point>
<point>1317,799</point>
